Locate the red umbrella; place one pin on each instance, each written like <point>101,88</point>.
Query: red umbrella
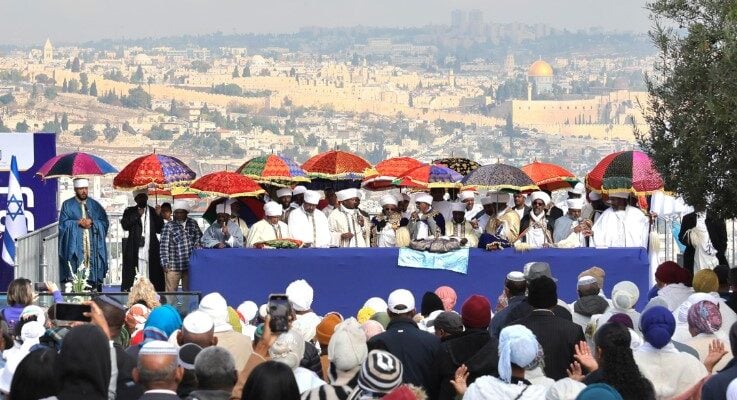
<point>227,184</point>
<point>429,177</point>
<point>274,170</point>
<point>75,164</point>
<point>336,165</point>
<point>625,172</point>
<point>153,170</point>
<point>550,176</point>
<point>385,172</point>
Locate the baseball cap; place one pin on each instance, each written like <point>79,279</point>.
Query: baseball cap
<point>401,301</point>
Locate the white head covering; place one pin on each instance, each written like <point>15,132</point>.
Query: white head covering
<point>516,276</point>
<point>593,196</point>
<point>33,309</point>
<point>518,345</point>
<point>498,197</point>
<point>311,197</point>
<point>288,349</point>
<point>31,334</point>
<point>248,310</point>
<point>424,198</point>
<point>284,192</point>
<point>620,195</point>
<point>578,189</point>
<point>465,195</point>
<point>299,190</point>
<point>81,183</point>
<point>388,199</point>
<point>625,295</point>
<point>272,209</point>
<point>222,208</point>
<point>180,204</point>
<point>159,347</point>
<point>347,348</point>
<point>586,280</point>
<point>564,389</point>
<point>574,204</point>
<point>346,194</point>
<point>458,207</point>
<point>300,294</point>
<point>539,195</point>
<point>377,304</point>
<point>216,307</point>
<point>198,322</point>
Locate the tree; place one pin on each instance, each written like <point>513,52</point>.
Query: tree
<point>692,102</point>
<point>73,86</point>
<point>110,132</point>
<point>93,89</point>
<point>86,133</point>
<point>21,127</point>
<point>6,99</point>
<point>247,71</point>
<point>137,98</point>
<point>173,109</point>
<point>65,122</point>
<point>65,86</point>
<point>52,126</point>
<point>235,72</point>
<point>75,65</point>
<point>84,82</point>
<point>138,75</point>
<point>200,66</point>
<point>50,92</point>
<point>3,128</point>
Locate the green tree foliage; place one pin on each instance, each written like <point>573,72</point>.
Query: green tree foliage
<point>230,89</point>
<point>512,89</point>
<point>50,92</point>
<point>137,76</point>
<point>11,75</point>
<point>693,98</point>
<point>114,75</point>
<point>158,133</point>
<point>52,126</point>
<point>236,73</point>
<point>93,89</point>
<point>43,78</point>
<point>65,86</point>
<point>110,132</point>
<point>137,98</point>
<point>65,122</point>
<point>6,99</point>
<point>3,128</point>
<point>73,86</point>
<point>246,71</point>
<point>75,65</point>
<point>22,127</point>
<point>84,82</point>
<point>200,66</point>
<point>86,133</point>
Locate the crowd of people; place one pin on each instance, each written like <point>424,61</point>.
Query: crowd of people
<point>523,343</point>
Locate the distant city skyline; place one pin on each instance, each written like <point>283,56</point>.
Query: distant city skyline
<point>29,23</point>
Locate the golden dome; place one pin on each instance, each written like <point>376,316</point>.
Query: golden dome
<point>540,68</point>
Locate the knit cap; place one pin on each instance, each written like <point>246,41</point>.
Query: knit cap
<point>380,373</point>
<point>326,327</point>
<point>347,348</point>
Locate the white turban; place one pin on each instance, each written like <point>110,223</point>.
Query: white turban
<point>424,198</point>
<point>540,196</point>
<point>593,196</point>
<point>272,209</point>
<point>466,195</point>
<point>458,207</point>
<point>312,197</point>
<point>376,303</point>
<point>346,194</point>
<point>222,208</point>
<point>387,199</point>
<point>198,322</point>
<point>181,205</point>
<point>578,189</point>
<point>81,183</point>
<point>299,190</point>
<point>620,195</point>
<point>625,295</point>
<point>518,345</point>
<point>283,192</point>
<point>300,294</point>
<point>288,349</point>
<point>575,204</point>
<point>498,197</point>
<point>248,310</point>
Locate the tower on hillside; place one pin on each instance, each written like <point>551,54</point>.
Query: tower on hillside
<point>48,54</point>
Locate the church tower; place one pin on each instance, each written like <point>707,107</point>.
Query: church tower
<point>48,54</point>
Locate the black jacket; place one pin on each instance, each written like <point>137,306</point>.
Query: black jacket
<point>311,359</point>
<point>126,388</point>
<point>557,337</point>
<point>717,229</point>
<point>476,349</point>
<point>716,387</point>
<point>415,349</point>
<point>131,222</point>
<point>523,309</point>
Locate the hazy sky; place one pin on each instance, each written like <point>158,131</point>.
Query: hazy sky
<point>31,21</point>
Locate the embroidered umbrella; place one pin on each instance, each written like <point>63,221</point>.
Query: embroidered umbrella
<point>227,184</point>
<point>625,172</point>
<point>157,170</point>
<point>429,177</point>
<point>550,176</point>
<point>499,177</point>
<point>274,170</point>
<point>336,165</point>
<point>75,164</point>
<point>463,166</point>
<point>384,173</point>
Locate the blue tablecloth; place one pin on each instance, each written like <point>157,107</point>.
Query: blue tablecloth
<point>344,278</point>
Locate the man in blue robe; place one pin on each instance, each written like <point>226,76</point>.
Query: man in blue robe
<point>83,226</point>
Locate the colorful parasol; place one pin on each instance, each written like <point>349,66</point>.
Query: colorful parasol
<point>227,184</point>
<point>550,176</point>
<point>384,173</point>
<point>499,177</point>
<point>251,211</point>
<point>429,177</point>
<point>176,192</point>
<point>625,172</point>
<point>463,166</point>
<point>336,165</point>
<point>274,170</point>
<point>153,170</point>
<point>75,164</point>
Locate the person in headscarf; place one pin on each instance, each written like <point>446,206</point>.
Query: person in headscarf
<point>161,323</point>
<point>381,372</point>
<point>599,391</point>
<point>535,229</point>
<point>518,352</point>
<point>704,322</point>
<point>84,364</point>
<point>288,349</point>
<point>269,228</point>
<point>673,283</point>
<point>718,384</point>
<point>625,295</point>
<point>670,371</point>
<point>448,296</point>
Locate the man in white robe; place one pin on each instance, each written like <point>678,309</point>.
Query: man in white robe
<point>384,226</point>
<point>571,228</point>
<point>426,222</point>
<point>535,230</point>
<point>348,228</point>
<point>269,228</point>
<point>472,209</point>
<point>284,197</point>
<point>235,208</point>
<point>224,232</point>
<point>621,225</point>
<point>461,229</point>
<point>309,226</point>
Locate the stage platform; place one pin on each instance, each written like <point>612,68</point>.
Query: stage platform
<point>344,278</point>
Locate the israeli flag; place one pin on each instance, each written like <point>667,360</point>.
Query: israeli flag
<point>15,218</point>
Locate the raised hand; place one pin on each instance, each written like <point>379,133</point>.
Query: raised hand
<point>583,355</point>
<point>716,352</point>
<point>459,382</point>
<point>575,372</point>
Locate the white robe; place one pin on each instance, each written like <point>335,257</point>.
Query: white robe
<point>454,230</point>
<point>628,228</point>
<point>670,371</point>
<point>262,231</point>
<point>309,228</point>
<point>475,210</point>
<point>343,220</point>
